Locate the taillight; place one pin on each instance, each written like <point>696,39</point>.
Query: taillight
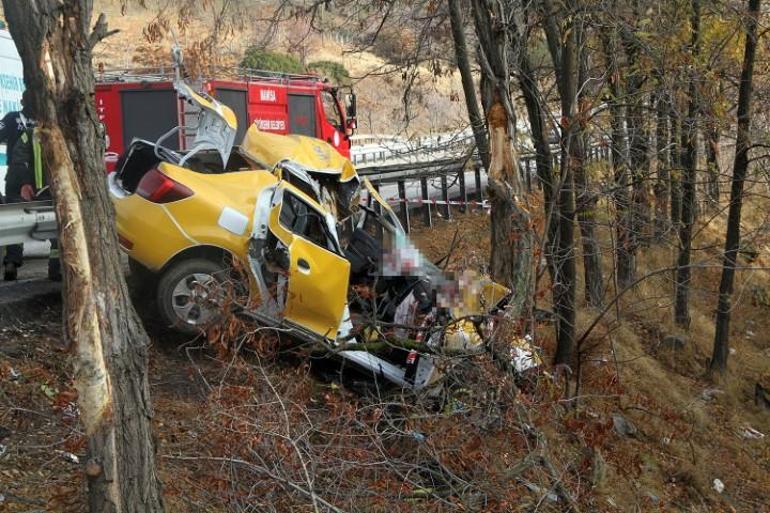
<point>123,241</point>
<point>159,188</point>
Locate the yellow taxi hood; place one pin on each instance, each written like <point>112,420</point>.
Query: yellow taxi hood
<point>269,149</point>
<point>217,124</point>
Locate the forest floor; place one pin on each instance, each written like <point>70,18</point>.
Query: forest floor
<point>648,430</point>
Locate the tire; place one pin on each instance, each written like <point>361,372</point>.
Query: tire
<point>191,295</point>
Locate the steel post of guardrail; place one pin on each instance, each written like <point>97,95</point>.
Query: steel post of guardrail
<point>528,173</point>
<point>477,176</point>
<point>404,210</point>
<point>427,219</point>
<point>445,196</point>
<point>463,194</point>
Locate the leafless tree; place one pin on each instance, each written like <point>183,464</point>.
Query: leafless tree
<point>740,168</point>
<point>55,41</point>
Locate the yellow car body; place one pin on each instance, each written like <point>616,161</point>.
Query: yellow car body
<point>211,215</point>
<point>190,217</point>
<point>154,233</point>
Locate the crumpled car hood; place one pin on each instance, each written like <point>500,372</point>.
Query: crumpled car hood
<point>268,149</point>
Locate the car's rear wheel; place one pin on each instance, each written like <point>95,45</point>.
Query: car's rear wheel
<point>191,295</point>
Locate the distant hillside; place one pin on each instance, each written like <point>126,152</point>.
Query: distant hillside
<point>434,102</point>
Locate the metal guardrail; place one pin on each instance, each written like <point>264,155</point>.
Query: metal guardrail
<point>411,186</point>
<point>372,150</point>
<point>27,222</point>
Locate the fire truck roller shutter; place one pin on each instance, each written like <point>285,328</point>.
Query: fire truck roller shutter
<point>302,114</point>
<point>148,114</point>
<point>237,100</point>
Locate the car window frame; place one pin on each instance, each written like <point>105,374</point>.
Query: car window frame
<point>330,240</point>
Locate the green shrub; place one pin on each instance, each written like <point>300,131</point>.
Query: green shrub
<point>258,59</point>
<point>334,71</point>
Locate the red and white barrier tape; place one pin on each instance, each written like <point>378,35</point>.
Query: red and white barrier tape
<point>420,201</point>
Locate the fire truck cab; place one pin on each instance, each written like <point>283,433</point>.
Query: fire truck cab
<point>134,105</point>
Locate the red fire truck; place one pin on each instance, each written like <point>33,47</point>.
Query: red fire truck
<point>132,104</point>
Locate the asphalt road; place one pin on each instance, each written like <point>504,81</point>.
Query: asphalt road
<point>32,291</point>
<point>32,288</point>
<point>35,268</point>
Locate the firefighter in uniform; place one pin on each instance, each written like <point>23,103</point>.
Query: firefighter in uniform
<point>12,125</point>
<point>26,181</point>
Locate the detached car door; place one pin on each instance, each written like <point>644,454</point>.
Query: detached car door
<point>318,274</point>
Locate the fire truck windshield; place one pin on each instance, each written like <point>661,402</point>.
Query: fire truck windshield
<point>331,109</point>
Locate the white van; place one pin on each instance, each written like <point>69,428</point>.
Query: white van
<point>11,87</point>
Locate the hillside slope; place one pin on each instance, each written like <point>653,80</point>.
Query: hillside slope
<point>433,101</point>
<point>647,430</point>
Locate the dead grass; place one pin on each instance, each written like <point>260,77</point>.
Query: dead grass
<point>689,423</point>
<point>683,439</point>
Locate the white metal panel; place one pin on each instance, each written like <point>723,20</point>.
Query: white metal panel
<point>11,87</point>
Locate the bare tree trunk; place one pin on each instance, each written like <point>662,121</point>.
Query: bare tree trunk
<point>663,159</point>
<point>638,145</point>
<point>564,286</point>
<point>539,129</point>
<point>563,44</point>
<point>512,241</point>
<point>740,168</point>
<point>675,175</point>
<point>625,256</point>
<point>466,75</point>
<point>585,200</point>
<point>690,154</point>
<point>99,321</point>
<point>713,154</point>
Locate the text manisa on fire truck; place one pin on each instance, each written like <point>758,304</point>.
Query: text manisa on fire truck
<point>146,106</point>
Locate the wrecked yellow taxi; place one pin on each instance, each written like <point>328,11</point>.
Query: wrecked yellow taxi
<point>322,265</point>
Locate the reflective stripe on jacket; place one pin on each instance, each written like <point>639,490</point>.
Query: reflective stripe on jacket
<point>37,156</point>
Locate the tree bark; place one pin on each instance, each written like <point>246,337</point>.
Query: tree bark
<point>713,154</point>
<point>638,144</point>
<point>511,233</point>
<point>563,44</point>
<point>539,129</point>
<point>690,154</point>
<point>55,43</point>
<point>663,165</point>
<point>740,168</point>
<point>675,175</point>
<point>466,75</point>
<point>586,201</point>
<point>625,256</point>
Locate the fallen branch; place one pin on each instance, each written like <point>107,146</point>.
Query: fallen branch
<point>262,470</point>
